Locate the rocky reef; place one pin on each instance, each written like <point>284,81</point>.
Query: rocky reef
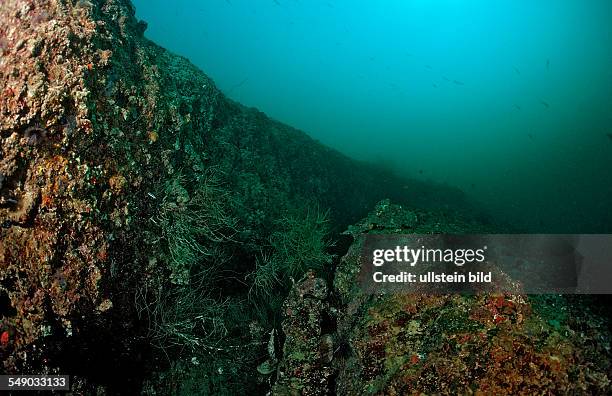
<point>137,202</point>
<point>410,343</point>
<point>151,226</point>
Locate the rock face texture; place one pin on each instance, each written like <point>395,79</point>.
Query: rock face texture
<point>124,171</point>
<point>400,344</point>
<point>308,350</point>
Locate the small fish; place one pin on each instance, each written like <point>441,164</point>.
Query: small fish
<point>530,135</point>
<point>428,67</point>
<point>473,185</point>
<point>277,3</point>
<point>445,78</point>
<point>420,171</point>
<point>547,64</point>
<point>435,85</point>
<point>457,82</point>
<point>544,103</point>
<point>517,107</point>
<point>609,135</point>
<point>516,70</point>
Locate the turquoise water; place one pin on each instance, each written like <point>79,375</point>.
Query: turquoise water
<point>511,101</point>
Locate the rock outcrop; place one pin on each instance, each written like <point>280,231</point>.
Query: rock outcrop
<point>124,173</point>
<point>398,344</point>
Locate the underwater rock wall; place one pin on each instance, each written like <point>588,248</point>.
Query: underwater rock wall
<point>57,207</point>
<point>122,167</point>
